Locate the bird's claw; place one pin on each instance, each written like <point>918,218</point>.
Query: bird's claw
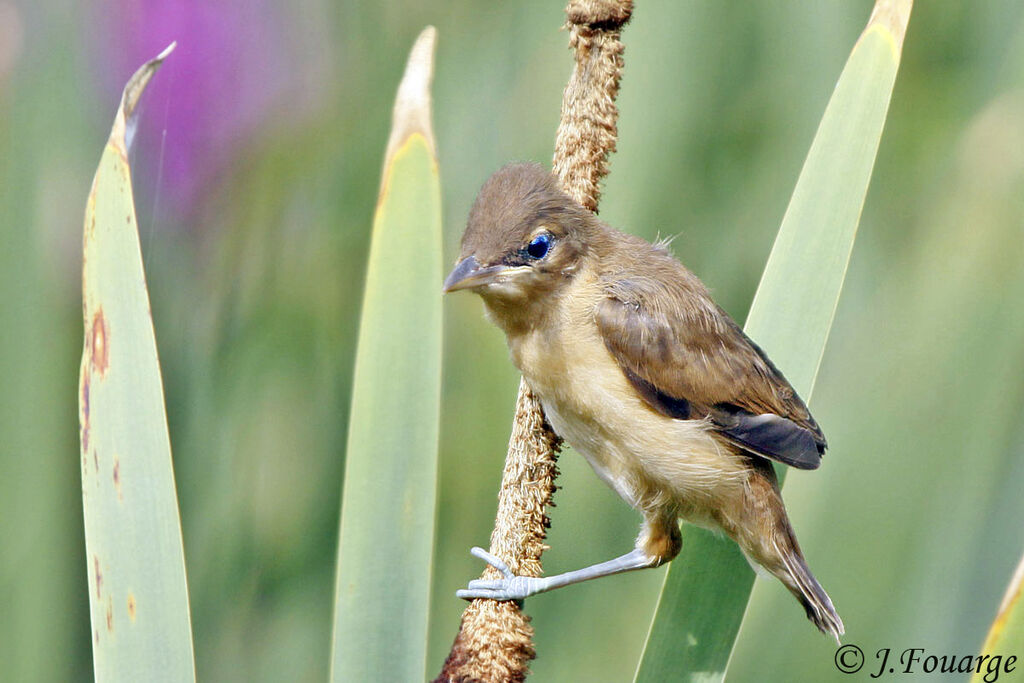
<point>510,587</point>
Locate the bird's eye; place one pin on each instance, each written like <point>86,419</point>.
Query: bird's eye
<point>539,246</point>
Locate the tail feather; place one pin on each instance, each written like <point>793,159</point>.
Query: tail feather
<point>766,537</point>
<point>801,582</point>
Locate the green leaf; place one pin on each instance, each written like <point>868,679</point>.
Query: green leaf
<point>1006,637</point>
<point>708,586</point>
<point>385,543</point>
<point>137,591</point>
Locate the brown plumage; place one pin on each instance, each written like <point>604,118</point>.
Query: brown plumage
<point>642,373</point>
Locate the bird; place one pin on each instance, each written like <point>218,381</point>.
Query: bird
<point>642,373</point>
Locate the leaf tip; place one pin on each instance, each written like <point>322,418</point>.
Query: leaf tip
<point>167,50</point>
<point>892,17</point>
<point>412,110</point>
<point>137,83</point>
<point>124,127</point>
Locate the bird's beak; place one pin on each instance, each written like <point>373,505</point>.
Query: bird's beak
<point>469,274</point>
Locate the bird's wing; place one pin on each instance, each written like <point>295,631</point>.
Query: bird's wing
<point>700,364</point>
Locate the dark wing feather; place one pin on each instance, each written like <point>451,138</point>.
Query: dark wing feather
<point>688,359</point>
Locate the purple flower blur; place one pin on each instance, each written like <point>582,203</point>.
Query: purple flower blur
<point>218,86</point>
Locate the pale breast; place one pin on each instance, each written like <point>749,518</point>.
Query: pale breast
<point>649,459</point>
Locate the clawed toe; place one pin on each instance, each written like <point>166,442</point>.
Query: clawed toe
<point>475,593</point>
<point>510,587</point>
<point>492,560</point>
<point>502,592</point>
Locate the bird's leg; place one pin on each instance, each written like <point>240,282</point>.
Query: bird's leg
<point>512,587</point>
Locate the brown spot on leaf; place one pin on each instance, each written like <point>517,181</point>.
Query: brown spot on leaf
<point>110,614</point>
<point>99,574</point>
<point>84,387</point>
<point>131,606</point>
<point>100,343</point>
<point>84,411</point>
<point>96,462</point>
<point>117,478</point>
<point>97,636</point>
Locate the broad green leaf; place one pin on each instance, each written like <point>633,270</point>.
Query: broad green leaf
<point>1006,637</point>
<point>708,586</point>
<point>386,538</point>
<point>137,592</point>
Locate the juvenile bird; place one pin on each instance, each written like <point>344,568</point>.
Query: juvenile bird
<point>645,376</point>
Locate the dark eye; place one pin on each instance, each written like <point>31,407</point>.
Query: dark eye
<point>539,247</point>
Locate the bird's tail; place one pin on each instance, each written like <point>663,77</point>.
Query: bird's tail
<point>797,577</point>
<point>774,547</point>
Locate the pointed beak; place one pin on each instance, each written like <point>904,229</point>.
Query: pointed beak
<point>469,274</point>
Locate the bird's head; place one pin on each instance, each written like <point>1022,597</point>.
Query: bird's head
<point>524,240</point>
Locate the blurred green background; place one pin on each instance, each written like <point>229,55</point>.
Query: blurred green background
<point>256,173</point>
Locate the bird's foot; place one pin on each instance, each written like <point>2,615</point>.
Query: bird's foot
<point>510,587</point>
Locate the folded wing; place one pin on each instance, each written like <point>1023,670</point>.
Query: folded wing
<point>689,360</point>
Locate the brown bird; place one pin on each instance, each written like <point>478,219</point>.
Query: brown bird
<point>645,376</point>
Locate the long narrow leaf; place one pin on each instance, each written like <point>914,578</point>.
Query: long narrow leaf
<point>387,514</point>
<point>137,591</point>
<point>707,588</point>
<point>1006,637</point>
